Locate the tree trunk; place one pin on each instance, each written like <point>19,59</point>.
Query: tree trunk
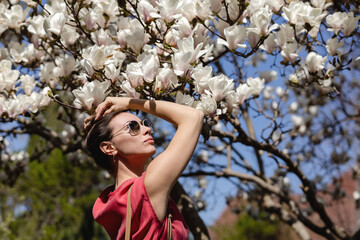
<point>188,210</point>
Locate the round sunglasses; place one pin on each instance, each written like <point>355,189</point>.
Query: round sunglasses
<point>135,127</point>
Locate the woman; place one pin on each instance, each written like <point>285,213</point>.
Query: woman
<point>121,143</point>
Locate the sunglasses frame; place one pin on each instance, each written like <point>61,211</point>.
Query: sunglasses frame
<point>144,122</point>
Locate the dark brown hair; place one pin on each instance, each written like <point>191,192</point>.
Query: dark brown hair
<point>100,131</point>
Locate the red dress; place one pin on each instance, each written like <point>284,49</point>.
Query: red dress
<point>110,211</point>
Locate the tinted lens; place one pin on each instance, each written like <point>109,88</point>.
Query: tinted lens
<point>149,124</point>
<point>134,127</point>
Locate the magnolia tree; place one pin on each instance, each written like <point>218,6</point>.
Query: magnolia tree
<point>276,80</point>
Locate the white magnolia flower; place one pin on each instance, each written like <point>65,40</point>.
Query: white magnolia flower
<point>129,91</point>
<point>269,44</point>
<point>96,56</point>
<point>30,3</point>
<point>253,38</point>
<point>201,75</point>
<point>187,45</point>
<point>147,11</point>
<point>3,7</point>
<point>8,77</point>
<point>165,79</point>
<point>2,104</point>
<point>169,9</point>
<point>36,101</point>
<point>134,74</point>
<point>297,120</point>
<point>4,54</point>
<point>65,66</point>
<point>69,35</point>
<point>207,105</point>
<point>36,25</point>
<point>150,67</point>
<point>89,18</point>
<point>146,70</point>
<point>27,83</point>
<point>293,78</point>
<point>55,23</point>
<point>344,20</point>
<point>108,8</point>
<point>184,99</point>
<point>215,6</point>
<point>46,92</point>
<point>267,93</point>
<point>290,52</point>
<point>220,86</point>
<point>16,51</point>
<point>268,75</point>
<point>279,91</point>
<point>91,94</point>
<point>300,13</point>
<point>315,62</point>
<point>261,21</point>
<point>350,23</point>
<point>220,25</point>
<point>232,11</point>
<point>203,9</point>
<point>56,6</point>
<point>302,129</point>
<point>47,74</point>
<point>284,35</point>
<point>254,6</point>
<point>320,4</point>
<point>275,5</point>
<point>235,35</point>
<point>181,62</point>
<point>15,16</point>
<point>13,107</point>
<point>313,110</point>
<point>327,82</point>
<point>31,53</point>
<point>256,85</point>
<point>232,101</point>
<point>291,12</point>
<point>293,107</point>
<point>200,35</point>
<point>274,105</point>
<point>181,29</point>
<point>243,92</point>
<point>332,46</point>
<point>335,21</point>
<point>136,39</point>
<point>188,9</point>
<point>111,72</point>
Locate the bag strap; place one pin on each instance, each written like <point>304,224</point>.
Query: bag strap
<point>128,219</point>
<point>128,215</point>
<point>169,227</point>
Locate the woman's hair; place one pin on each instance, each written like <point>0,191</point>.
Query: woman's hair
<point>100,131</point>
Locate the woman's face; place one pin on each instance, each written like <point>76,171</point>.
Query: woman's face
<point>127,144</point>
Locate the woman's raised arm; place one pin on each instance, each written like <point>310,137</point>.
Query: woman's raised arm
<point>166,168</point>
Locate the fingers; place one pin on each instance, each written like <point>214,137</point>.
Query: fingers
<point>102,108</point>
<point>87,121</point>
<point>109,110</point>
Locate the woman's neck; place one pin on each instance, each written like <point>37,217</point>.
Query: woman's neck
<point>124,171</point>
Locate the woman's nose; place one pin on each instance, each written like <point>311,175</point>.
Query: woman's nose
<point>146,130</point>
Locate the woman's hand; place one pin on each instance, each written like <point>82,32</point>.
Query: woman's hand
<point>110,104</point>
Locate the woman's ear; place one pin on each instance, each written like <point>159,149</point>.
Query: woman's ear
<point>108,148</point>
